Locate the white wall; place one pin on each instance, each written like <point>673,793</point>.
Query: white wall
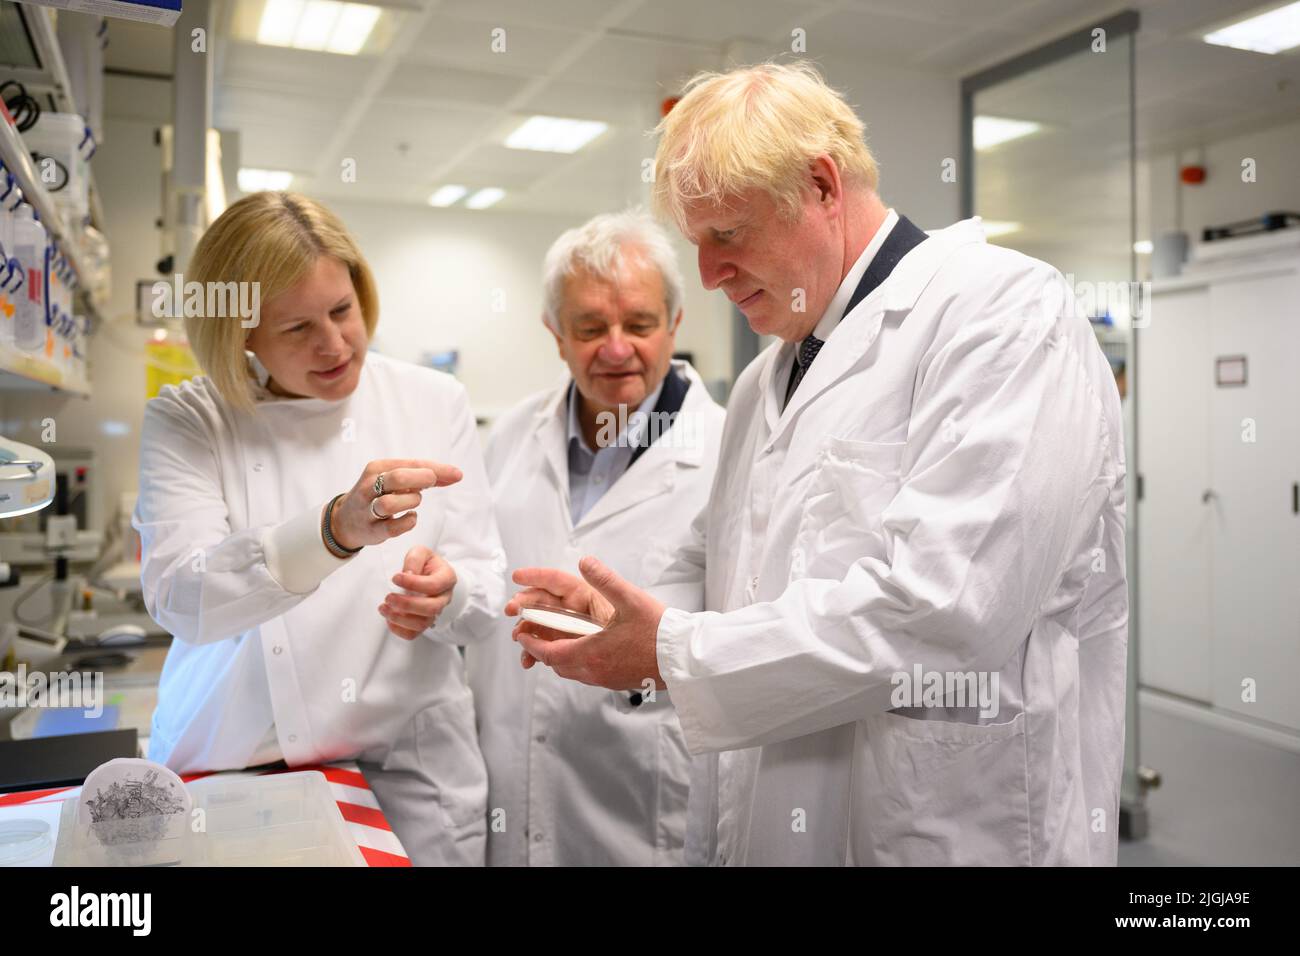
<point>1223,197</point>
<point>913,125</point>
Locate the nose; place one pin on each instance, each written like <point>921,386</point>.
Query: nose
<point>714,269</point>
<point>331,341</point>
<point>616,349</point>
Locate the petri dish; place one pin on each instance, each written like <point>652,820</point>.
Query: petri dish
<point>22,839</point>
<point>560,619</point>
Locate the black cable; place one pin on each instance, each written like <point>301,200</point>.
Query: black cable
<point>59,184</point>
<point>22,107</point>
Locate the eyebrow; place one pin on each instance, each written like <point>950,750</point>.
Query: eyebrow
<point>293,320</point>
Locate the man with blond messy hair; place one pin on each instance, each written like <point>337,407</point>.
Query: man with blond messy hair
<point>921,487</point>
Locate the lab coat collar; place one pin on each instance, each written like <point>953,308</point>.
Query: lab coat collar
<point>856,333</point>
<point>651,474</point>
<point>847,293</point>
<point>636,423</point>
<point>550,432</point>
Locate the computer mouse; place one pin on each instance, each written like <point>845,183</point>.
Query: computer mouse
<point>122,634</point>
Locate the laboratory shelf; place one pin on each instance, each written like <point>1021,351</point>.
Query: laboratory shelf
<point>18,369</point>
<point>21,371</point>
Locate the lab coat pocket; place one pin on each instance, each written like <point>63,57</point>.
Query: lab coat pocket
<point>447,749</point>
<point>940,793</point>
<point>841,519</point>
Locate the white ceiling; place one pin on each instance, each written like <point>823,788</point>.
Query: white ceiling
<point>435,107</point>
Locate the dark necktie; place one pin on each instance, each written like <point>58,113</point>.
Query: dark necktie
<point>808,350</point>
<point>902,239</point>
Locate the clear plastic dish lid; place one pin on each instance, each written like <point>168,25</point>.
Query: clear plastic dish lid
<point>132,800</point>
<point>561,619</point>
<point>21,840</point>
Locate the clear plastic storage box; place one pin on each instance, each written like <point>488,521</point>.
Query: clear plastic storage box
<point>287,819</point>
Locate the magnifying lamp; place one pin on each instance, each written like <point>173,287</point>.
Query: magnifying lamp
<point>26,479</point>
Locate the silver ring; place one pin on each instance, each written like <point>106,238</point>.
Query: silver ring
<point>376,514</point>
<point>379,484</point>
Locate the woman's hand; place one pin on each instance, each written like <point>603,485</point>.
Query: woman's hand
<point>432,579</point>
<point>352,521</point>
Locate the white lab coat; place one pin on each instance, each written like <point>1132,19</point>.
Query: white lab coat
<point>577,775</point>
<point>220,492</point>
<point>946,488</point>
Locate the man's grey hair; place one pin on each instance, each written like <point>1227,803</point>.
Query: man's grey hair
<point>599,246</point>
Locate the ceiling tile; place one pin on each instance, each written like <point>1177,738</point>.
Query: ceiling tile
<point>529,49</point>
<point>574,14</point>
<point>634,63</point>
<point>434,84</point>
<point>510,169</point>
<point>593,101</point>
<point>279,146</point>
<point>888,39</point>
<point>233,105</point>
<point>280,68</point>
<point>718,21</point>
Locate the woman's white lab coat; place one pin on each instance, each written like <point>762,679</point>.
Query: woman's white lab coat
<point>578,775</point>
<point>945,489</point>
<point>279,649</point>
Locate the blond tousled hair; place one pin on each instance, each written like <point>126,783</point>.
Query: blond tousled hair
<point>274,239</point>
<point>755,127</point>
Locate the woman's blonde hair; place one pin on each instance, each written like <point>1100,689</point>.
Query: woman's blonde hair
<point>272,239</point>
<point>755,127</point>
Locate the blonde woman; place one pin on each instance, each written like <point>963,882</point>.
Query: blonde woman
<point>318,536</point>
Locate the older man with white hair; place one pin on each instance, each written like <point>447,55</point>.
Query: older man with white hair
<point>618,459</point>
<point>913,649</point>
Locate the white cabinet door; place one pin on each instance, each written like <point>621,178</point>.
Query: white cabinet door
<point>1173,376</point>
<point>1255,461</point>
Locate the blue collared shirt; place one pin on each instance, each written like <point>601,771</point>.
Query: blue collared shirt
<point>591,473</point>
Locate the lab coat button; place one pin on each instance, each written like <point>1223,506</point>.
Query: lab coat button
<point>293,738</point>
<point>257,466</point>
<point>540,738</point>
<point>277,649</point>
<point>537,838</point>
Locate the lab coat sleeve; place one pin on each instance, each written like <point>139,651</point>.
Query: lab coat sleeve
<point>1003,474</point>
<point>469,542</point>
<point>200,580</point>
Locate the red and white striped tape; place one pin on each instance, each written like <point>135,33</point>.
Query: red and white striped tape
<point>374,836</point>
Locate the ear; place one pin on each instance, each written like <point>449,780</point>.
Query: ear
<point>559,342</point>
<point>675,324</point>
<point>825,179</point>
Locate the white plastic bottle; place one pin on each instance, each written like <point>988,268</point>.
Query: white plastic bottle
<point>11,272</point>
<point>30,249</point>
<point>10,199</point>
